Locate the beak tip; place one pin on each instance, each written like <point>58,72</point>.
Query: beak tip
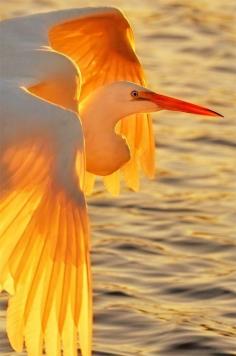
<point>217,114</point>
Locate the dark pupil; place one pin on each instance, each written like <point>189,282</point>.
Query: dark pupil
<point>134,93</point>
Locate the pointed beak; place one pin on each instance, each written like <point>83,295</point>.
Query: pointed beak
<point>169,103</point>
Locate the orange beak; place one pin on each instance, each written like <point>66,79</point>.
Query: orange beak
<point>168,103</point>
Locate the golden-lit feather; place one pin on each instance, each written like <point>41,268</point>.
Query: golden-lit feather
<point>44,247</point>
<point>102,46</point>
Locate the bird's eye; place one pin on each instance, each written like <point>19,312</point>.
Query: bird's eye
<point>134,93</point>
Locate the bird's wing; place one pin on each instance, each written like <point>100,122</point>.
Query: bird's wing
<point>44,232</point>
<point>102,45</point>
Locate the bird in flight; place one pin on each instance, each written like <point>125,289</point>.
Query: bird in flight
<point>73,105</point>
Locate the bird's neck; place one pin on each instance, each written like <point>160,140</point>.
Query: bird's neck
<point>106,151</point>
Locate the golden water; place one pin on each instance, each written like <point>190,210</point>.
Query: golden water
<point>164,259</point>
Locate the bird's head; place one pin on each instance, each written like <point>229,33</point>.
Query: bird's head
<point>129,98</point>
<point>104,107</point>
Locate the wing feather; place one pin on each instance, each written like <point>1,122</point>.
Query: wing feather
<point>44,236</point>
<point>102,46</point>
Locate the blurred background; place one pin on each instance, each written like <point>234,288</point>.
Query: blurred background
<point>164,259</point>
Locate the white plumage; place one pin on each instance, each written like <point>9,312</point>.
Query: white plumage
<point>72,105</point>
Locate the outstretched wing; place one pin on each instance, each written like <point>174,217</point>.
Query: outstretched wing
<point>102,46</point>
<point>44,231</point>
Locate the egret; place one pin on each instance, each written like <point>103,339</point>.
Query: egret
<point>74,105</point>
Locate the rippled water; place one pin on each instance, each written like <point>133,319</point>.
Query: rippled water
<point>164,259</point>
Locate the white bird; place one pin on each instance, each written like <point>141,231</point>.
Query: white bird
<point>73,105</point>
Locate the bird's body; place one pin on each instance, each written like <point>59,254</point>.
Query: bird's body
<point>73,105</point>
